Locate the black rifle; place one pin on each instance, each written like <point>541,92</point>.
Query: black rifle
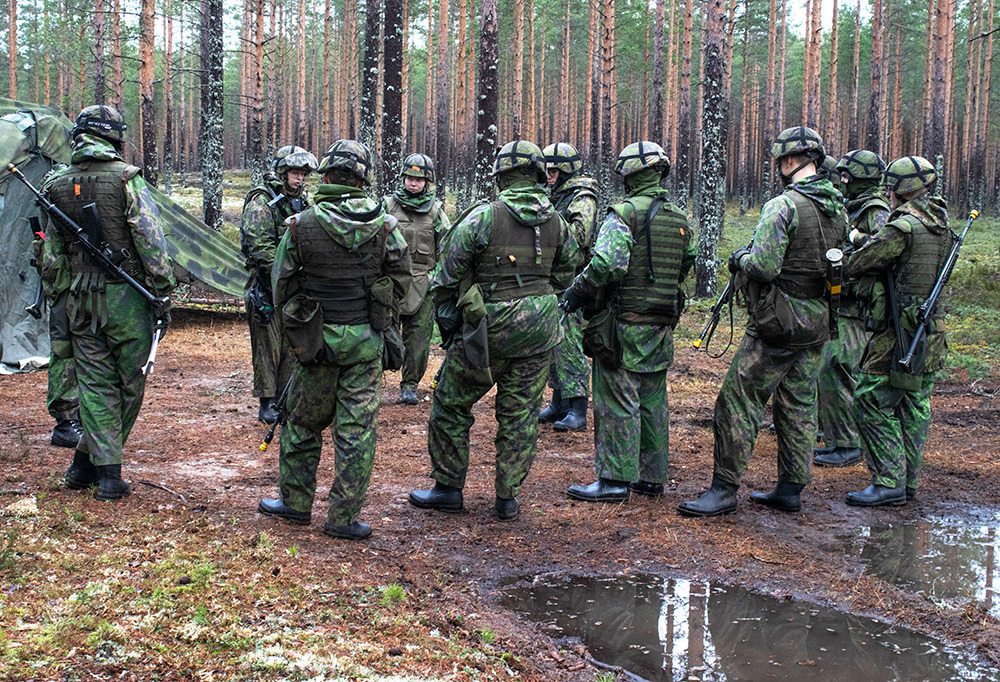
<point>279,408</point>
<point>36,308</point>
<point>926,311</point>
<point>725,298</point>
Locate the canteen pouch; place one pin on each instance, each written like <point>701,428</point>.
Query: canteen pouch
<point>381,305</point>
<point>302,319</point>
<point>475,332</point>
<point>600,339</point>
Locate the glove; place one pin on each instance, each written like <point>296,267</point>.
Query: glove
<point>570,302</point>
<point>734,259</point>
<point>857,238</point>
<point>162,314</point>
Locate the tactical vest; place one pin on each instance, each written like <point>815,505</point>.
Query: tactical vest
<point>103,183</point>
<point>335,276</point>
<point>926,255</point>
<point>648,292</point>
<point>858,210</point>
<point>803,271</point>
<point>562,208</point>
<point>518,260</point>
<point>418,231</point>
<point>281,208</point>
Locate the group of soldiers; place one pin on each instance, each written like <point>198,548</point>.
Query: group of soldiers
<point>523,288</point>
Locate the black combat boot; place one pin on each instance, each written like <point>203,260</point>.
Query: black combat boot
<point>576,418</point>
<point>81,473</point>
<point>409,397</point>
<point>111,486</point>
<point>556,410</point>
<point>646,489</point>
<point>267,413</point>
<point>838,457</point>
<point>441,497</point>
<point>275,507</point>
<point>355,531</point>
<point>507,509</point>
<point>601,490</point>
<point>719,499</point>
<point>783,497</point>
<point>67,433</point>
<point>911,494</point>
<point>877,495</point>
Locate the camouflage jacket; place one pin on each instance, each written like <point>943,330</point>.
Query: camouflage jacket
<point>259,231</point>
<point>868,213</point>
<point>333,208</point>
<point>523,327</point>
<point>645,348</point>
<point>883,252</point>
<point>141,214</point>
<point>778,222</point>
<point>582,209</point>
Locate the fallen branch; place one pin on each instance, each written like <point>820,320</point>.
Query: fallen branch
<point>617,670</point>
<point>163,487</point>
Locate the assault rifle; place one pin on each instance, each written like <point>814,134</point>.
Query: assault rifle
<point>36,308</point>
<point>279,408</point>
<point>927,307</point>
<point>725,298</point>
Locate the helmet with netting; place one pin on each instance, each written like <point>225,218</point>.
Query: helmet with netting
<point>352,157</point>
<point>103,121</point>
<point>564,157</point>
<point>523,156</point>
<point>640,156</point>
<point>418,166</point>
<point>862,164</point>
<point>909,174</point>
<point>796,141</point>
<point>290,157</point>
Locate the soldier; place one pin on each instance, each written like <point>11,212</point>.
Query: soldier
<point>893,411</point>
<point>499,269</point>
<point>782,276</point>
<point>422,221</point>
<point>643,252</point>
<point>332,257</point>
<point>110,324</point>
<point>265,208</point>
<point>860,172</point>
<point>575,198</point>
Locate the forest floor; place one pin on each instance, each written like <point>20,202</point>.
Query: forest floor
<point>184,580</point>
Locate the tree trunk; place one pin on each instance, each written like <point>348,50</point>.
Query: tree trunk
<point>682,175</point>
<point>814,76</point>
<point>392,122</point>
<point>168,102</point>
<point>147,72</point>
<point>99,64</point>
<point>429,118</point>
<point>656,116</point>
<point>608,76</point>
<point>486,118</point>
<point>830,136</point>
<point>936,135</point>
<point>530,114</point>
<point>517,65</point>
<point>854,136</point>
<point>781,67</point>
<point>258,149</point>
<point>443,134</point>
<point>369,74</point>
<point>807,54</point>
<point>872,140</point>
<point>984,113</point>
<point>770,103</point>
<point>210,134</point>
<point>325,115</point>
<point>12,48</point>
<point>713,164</point>
<point>564,82</point>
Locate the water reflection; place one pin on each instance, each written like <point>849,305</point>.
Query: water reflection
<point>666,629</point>
<point>942,556</point>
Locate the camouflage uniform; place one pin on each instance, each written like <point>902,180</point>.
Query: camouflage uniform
<point>344,388</point>
<point>110,324</point>
<point>523,328</point>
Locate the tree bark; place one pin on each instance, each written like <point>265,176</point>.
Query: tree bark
<point>12,48</point>
<point>682,170</point>
<point>443,143</point>
<point>830,132</point>
<point>872,139</point>
<point>486,119</point>
<point>369,74</point>
<point>608,77</point>
<point>517,99</point>
<point>99,62</point>
<point>325,94</point>
<point>429,119</point>
<point>258,149</point>
<point>770,103</point>
<point>210,133</point>
<point>934,139</point>
<point>147,72</point>
<point>392,122</point>
<point>656,116</point>
<point>853,136</point>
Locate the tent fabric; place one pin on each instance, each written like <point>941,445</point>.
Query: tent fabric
<point>35,137</point>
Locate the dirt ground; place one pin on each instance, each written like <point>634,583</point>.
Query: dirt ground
<point>197,436</point>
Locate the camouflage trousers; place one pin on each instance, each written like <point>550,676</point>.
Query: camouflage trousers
<point>345,397</point>
<point>520,383</point>
<point>109,365</point>
<point>631,425</point>
<point>894,426</point>
<point>416,330</point>
<point>270,355</point>
<point>838,378</point>
<point>63,400</point>
<point>758,371</point>
<point>570,368</point>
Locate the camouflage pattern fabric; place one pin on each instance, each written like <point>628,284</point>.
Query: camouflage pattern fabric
<point>894,426</point>
<point>520,382</point>
<point>570,370</point>
<point>417,330</point>
<point>837,381</point>
<point>63,399</point>
<point>582,210</point>
<point>631,425</point>
<point>758,371</point>
<point>347,397</point>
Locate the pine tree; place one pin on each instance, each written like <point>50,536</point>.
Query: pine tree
<point>487,112</point>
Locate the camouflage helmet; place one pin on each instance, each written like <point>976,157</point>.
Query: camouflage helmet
<point>909,174</point>
<point>418,166</point>
<point>290,157</point>
<point>640,156</point>
<point>564,157</point>
<point>352,157</point>
<point>829,167</point>
<point>862,164</point>
<point>521,155</point>
<point>799,140</point>
<point>102,121</point>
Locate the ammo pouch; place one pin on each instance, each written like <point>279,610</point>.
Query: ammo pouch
<point>775,321</point>
<point>600,339</point>
<point>302,319</point>
<point>381,313</point>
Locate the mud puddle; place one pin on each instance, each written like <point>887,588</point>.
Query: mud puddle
<point>675,629</point>
<point>951,554</point>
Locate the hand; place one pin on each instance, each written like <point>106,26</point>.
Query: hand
<point>735,257</point>
<point>570,302</point>
<point>857,238</point>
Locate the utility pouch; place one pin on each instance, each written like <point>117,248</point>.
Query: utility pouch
<point>302,319</point>
<point>381,306</point>
<point>774,318</point>
<point>393,349</point>
<point>600,339</point>
<point>475,330</point>
<point>834,277</point>
<point>911,379</point>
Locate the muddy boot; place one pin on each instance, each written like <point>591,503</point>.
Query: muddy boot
<point>275,507</point>
<point>556,410</point>
<point>654,490</point>
<point>441,497</point>
<point>601,490</point>
<point>911,494</point>
<point>81,473</point>
<point>355,531</point>
<point>877,496</point>
<point>267,413</point>
<point>111,485</point>
<point>783,497</point>
<point>838,457</point>
<point>719,499</point>
<point>67,433</point>
<point>576,418</point>
<point>507,509</point>
<point>823,450</point>
<point>409,397</point>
